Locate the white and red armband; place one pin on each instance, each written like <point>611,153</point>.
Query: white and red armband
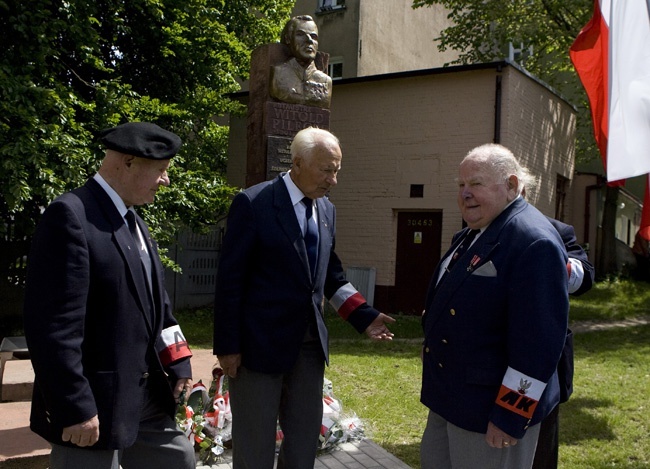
<point>346,299</point>
<point>520,393</point>
<point>172,346</point>
<point>576,274</point>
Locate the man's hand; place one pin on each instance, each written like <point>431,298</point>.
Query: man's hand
<point>82,434</point>
<point>377,329</point>
<point>183,384</point>
<point>229,364</point>
<point>497,438</point>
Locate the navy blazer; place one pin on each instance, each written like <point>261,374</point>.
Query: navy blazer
<point>92,325</point>
<point>265,296</point>
<point>574,250</point>
<point>495,326</point>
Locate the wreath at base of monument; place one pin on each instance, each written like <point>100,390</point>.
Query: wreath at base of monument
<point>206,420</point>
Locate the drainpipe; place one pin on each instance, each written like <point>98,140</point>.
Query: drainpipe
<point>497,107</point>
<point>587,214</point>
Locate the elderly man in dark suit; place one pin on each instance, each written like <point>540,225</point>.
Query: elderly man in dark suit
<point>109,358</point>
<point>277,266</point>
<point>581,278</point>
<point>495,323</point>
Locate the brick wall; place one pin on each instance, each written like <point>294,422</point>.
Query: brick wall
<point>396,133</point>
<point>539,127</point>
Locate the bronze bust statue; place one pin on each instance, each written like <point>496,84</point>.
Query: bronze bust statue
<point>298,81</point>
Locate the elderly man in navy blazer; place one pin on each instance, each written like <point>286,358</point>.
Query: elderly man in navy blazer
<point>581,278</point>
<point>277,266</point>
<point>109,358</point>
<point>495,323</point>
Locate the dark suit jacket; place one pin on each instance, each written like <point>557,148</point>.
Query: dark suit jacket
<point>574,250</point>
<point>92,327</point>
<point>265,296</point>
<point>495,326</point>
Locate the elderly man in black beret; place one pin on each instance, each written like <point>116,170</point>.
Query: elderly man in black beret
<point>110,360</point>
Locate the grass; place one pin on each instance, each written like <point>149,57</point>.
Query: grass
<point>197,326</point>
<point>612,300</point>
<point>605,424</point>
<point>380,382</point>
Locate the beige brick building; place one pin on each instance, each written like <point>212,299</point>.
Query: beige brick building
<point>403,136</point>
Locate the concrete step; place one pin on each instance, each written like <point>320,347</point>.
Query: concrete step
<point>18,380</point>
<point>19,446</point>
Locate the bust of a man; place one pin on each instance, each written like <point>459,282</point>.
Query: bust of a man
<point>298,81</point>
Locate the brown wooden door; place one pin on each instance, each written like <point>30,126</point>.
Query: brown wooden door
<point>418,252</point>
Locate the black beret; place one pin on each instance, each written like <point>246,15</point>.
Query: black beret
<point>142,139</point>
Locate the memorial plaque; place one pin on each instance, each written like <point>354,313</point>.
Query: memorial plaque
<point>289,119</point>
<point>278,156</point>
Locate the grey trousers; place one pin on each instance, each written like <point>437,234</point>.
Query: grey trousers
<point>257,401</point>
<point>446,446</point>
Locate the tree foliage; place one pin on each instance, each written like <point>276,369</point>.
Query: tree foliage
<point>482,30</point>
<point>69,68</point>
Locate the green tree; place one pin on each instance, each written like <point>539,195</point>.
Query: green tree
<point>71,68</point>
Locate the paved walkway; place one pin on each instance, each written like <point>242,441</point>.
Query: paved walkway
<point>355,455</point>
<point>591,326</point>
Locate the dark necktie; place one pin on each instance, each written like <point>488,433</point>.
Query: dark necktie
<point>144,256</point>
<point>464,245</point>
<point>311,235</point>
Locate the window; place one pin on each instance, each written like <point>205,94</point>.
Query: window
<point>335,68</point>
<point>327,5</point>
<point>417,191</point>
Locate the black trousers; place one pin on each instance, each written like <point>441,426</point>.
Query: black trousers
<point>546,454</point>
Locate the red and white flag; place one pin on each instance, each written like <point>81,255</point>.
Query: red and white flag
<point>628,148</point>
<point>612,57</point>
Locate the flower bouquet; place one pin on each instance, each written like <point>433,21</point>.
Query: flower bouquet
<point>337,427</point>
<point>206,420</point>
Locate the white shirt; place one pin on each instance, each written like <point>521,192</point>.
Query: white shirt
<point>296,199</point>
<point>121,206</point>
<point>447,260</point>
